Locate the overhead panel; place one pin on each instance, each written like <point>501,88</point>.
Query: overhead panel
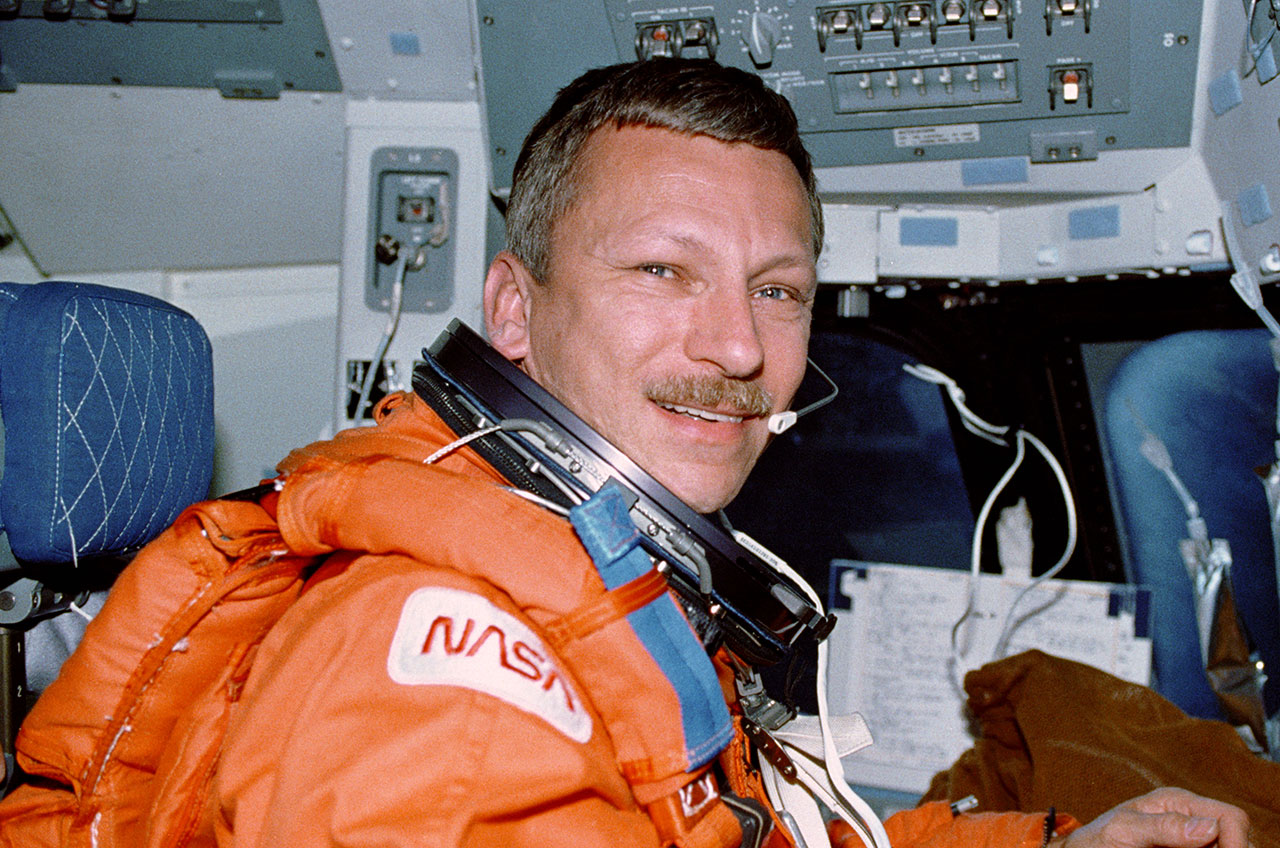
<point>900,82</point>
<point>245,48</point>
<point>1016,119</point>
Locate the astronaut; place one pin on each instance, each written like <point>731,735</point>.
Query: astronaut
<point>457,669</point>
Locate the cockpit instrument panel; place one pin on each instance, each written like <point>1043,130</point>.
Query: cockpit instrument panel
<point>887,82</point>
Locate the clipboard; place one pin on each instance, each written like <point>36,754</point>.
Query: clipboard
<point>891,657</point>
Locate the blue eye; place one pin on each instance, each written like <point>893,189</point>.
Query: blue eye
<point>657,270</point>
<point>774,293</point>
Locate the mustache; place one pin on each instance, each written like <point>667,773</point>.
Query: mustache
<point>712,392</point>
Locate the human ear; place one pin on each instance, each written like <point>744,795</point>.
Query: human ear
<point>506,306</point>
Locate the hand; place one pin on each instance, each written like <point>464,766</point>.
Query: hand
<point>1165,818</point>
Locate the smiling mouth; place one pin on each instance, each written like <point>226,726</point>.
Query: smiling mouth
<point>702,414</point>
<point>711,398</point>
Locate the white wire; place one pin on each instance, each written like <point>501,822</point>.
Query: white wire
<point>71,531</point>
<point>397,302</point>
<point>78,610</point>
<point>457,443</point>
<point>971,421</point>
<point>1006,632</point>
<point>1153,450</point>
<point>545,503</point>
<point>975,564</point>
<point>825,399</point>
<point>1254,50</point>
<point>870,827</point>
<point>75,563</point>
<point>979,427</point>
<point>1243,280</point>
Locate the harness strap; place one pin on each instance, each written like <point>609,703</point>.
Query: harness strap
<point>612,605</point>
<point>611,539</point>
<point>695,816</point>
<point>745,782</point>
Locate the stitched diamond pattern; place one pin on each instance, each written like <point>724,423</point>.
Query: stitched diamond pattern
<point>135,434</point>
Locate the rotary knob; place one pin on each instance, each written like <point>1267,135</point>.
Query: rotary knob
<point>763,32</point>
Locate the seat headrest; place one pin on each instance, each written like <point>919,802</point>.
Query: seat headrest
<point>106,404</point>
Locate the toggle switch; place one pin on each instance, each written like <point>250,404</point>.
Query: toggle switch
<point>764,33</point>
<point>1070,86</point>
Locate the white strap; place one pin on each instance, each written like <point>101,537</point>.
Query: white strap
<point>804,732</point>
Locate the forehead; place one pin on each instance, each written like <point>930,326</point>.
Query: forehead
<point>653,172</point>
<point>611,153</point>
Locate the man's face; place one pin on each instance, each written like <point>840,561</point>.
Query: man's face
<point>675,314</point>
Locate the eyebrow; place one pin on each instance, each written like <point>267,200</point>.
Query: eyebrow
<point>781,260</point>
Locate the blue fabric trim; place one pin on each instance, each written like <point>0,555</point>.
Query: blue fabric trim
<point>1266,62</point>
<point>1010,169</point>
<point>1225,93</point>
<point>613,542</point>
<point>1094,223</point>
<point>1255,204</point>
<point>405,44</point>
<point>928,232</point>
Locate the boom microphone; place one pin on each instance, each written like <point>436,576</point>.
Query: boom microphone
<point>780,422</point>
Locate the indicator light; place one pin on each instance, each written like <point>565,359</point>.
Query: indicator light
<point>1070,87</point>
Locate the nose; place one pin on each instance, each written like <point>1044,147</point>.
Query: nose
<point>724,333</point>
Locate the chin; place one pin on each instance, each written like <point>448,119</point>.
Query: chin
<point>703,498</point>
<point>703,485</point>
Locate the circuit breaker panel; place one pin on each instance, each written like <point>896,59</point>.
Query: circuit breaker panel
<point>900,82</point>
<point>413,192</point>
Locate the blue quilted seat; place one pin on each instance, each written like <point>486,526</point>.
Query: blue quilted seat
<point>106,434</point>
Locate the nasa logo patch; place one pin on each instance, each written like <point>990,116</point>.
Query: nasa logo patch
<point>447,637</point>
